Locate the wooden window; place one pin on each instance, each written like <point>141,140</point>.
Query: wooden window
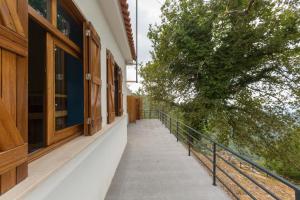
<point>13,93</point>
<point>62,115</point>
<point>43,7</point>
<point>64,91</point>
<point>65,81</point>
<point>68,24</point>
<point>110,87</point>
<point>68,89</point>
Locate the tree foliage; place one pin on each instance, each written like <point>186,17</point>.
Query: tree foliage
<point>233,69</point>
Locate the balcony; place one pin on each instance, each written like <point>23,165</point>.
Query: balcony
<point>155,166</point>
<point>166,159</point>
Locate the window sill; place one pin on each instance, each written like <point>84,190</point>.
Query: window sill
<point>42,168</point>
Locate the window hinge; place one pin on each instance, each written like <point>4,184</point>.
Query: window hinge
<point>89,121</point>
<point>88,33</point>
<point>88,77</point>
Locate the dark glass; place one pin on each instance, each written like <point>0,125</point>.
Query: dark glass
<point>42,7</point>
<point>116,71</point>
<point>68,90</point>
<point>68,25</point>
<point>36,87</point>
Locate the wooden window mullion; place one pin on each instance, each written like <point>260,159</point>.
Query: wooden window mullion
<point>53,15</point>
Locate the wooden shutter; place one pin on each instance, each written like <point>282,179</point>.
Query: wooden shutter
<point>120,93</point>
<point>110,88</point>
<point>13,92</point>
<point>93,77</point>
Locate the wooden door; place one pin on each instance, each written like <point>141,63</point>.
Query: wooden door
<point>131,109</point>
<point>94,120</point>
<point>13,92</point>
<point>110,88</point>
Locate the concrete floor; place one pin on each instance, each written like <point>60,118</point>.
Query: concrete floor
<point>155,167</point>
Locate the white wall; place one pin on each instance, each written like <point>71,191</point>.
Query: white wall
<point>92,10</point>
<point>88,175</point>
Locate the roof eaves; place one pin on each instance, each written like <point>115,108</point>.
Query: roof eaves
<point>128,26</point>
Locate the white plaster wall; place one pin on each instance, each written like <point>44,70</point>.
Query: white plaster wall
<point>92,10</point>
<point>88,175</point>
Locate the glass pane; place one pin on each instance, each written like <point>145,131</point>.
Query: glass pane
<point>68,25</point>
<point>68,90</point>
<point>42,7</point>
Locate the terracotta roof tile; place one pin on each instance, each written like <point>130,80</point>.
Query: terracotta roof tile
<point>127,23</point>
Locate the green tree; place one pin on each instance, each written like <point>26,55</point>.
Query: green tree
<point>232,67</point>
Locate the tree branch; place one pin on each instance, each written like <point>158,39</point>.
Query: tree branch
<point>245,11</point>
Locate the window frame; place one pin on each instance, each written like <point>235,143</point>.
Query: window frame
<point>55,37</point>
<point>54,136</point>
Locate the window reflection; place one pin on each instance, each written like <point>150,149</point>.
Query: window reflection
<point>68,25</point>
<point>42,7</point>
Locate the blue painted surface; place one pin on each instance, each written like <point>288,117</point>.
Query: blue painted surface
<point>75,104</point>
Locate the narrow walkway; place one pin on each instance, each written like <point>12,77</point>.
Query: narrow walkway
<point>155,167</point>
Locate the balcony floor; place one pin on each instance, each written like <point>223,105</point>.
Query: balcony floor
<point>155,167</point>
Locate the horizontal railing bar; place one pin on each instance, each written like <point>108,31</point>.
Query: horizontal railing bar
<point>207,167</point>
<point>209,149</point>
<point>282,180</point>
<point>197,140</point>
<point>208,158</point>
<point>182,136</point>
<point>195,131</point>
<point>228,189</point>
<point>186,131</point>
<point>273,175</point>
<point>248,177</point>
<point>233,180</point>
<point>205,136</point>
<point>182,129</point>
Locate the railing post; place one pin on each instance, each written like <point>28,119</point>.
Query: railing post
<point>214,163</point>
<point>189,142</point>
<point>144,114</point>
<point>170,125</point>
<point>150,114</point>
<point>297,194</point>
<point>177,130</point>
<point>159,115</point>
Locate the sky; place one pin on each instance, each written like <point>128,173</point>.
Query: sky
<point>149,13</point>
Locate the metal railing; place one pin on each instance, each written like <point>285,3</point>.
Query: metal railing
<point>213,151</point>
